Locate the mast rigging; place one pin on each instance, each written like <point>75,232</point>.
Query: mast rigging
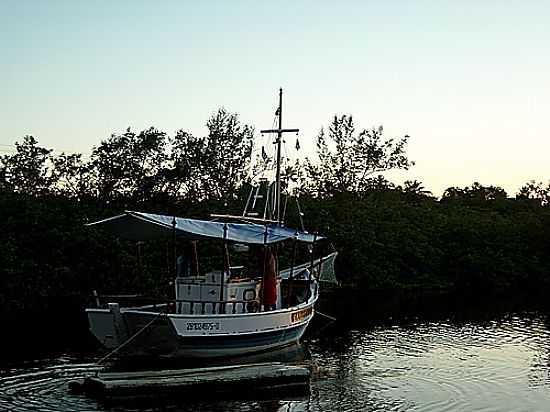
<point>279,142</point>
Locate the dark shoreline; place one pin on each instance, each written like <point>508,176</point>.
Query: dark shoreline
<point>61,328</point>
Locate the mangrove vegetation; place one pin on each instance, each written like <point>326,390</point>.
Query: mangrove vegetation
<point>475,239</point>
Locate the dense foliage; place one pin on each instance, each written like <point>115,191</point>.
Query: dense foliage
<point>474,238</point>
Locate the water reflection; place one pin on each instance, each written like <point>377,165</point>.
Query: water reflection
<point>489,361</point>
<point>292,354</point>
<point>44,386</point>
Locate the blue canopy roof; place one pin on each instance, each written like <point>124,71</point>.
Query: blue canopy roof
<point>148,226</point>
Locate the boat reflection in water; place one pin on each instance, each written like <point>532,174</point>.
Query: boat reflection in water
<point>295,354</point>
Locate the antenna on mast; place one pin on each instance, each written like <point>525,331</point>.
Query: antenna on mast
<point>279,142</point>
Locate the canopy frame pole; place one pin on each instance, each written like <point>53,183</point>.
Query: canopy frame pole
<point>175,254</point>
<point>195,257</point>
<point>225,267</point>
<point>276,259</point>
<point>277,273</point>
<point>264,270</point>
<point>291,275</point>
<point>139,257</point>
<point>312,256</point>
<point>300,215</point>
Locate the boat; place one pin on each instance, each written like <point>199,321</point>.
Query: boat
<point>237,309</point>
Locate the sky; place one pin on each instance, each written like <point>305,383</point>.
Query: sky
<point>467,80</point>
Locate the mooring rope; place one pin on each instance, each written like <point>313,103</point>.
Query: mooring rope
<point>131,338</point>
<point>331,319</point>
<point>326,316</point>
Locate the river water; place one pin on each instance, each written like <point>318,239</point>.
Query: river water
<point>381,355</point>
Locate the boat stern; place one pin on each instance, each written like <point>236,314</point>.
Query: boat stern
<point>103,327</point>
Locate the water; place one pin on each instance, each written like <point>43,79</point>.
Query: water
<point>501,365</point>
<point>476,357</point>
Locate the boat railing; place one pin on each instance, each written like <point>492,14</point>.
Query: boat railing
<point>129,301</point>
<point>180,306</point>
<point>199,307</point>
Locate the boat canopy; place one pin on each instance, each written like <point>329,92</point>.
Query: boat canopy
<point>147,226</point>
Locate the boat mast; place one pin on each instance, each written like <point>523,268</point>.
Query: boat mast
<point>279,142</point>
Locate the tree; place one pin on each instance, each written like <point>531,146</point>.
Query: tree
<point>129,165</point>
<point>535,191</point>
<point>476,193</point>
<point>415,190</point>
<point>27,170</point>
<point>227,152</point>
<point>415,187</point>
<point>185,175</point>
<point>4,177</point>
<point>72,175</point>
<point>347,159</point>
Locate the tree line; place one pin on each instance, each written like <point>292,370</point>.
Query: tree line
<point>475,238</point>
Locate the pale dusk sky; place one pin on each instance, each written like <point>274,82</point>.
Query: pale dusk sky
<point>468,80</point>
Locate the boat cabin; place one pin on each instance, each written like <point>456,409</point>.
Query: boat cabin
<point>250,280</point>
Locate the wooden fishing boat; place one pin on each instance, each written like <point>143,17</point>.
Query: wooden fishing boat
<point>235,310</point>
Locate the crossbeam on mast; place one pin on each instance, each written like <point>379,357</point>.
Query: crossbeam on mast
<point>280,131</point>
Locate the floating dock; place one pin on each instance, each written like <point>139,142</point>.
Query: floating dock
<point>234,380</point>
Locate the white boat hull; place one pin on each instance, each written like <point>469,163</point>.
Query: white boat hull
<point>199,336</point>
<point>192,330</point>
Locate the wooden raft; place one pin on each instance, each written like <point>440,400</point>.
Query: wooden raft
<point>216,380</point>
